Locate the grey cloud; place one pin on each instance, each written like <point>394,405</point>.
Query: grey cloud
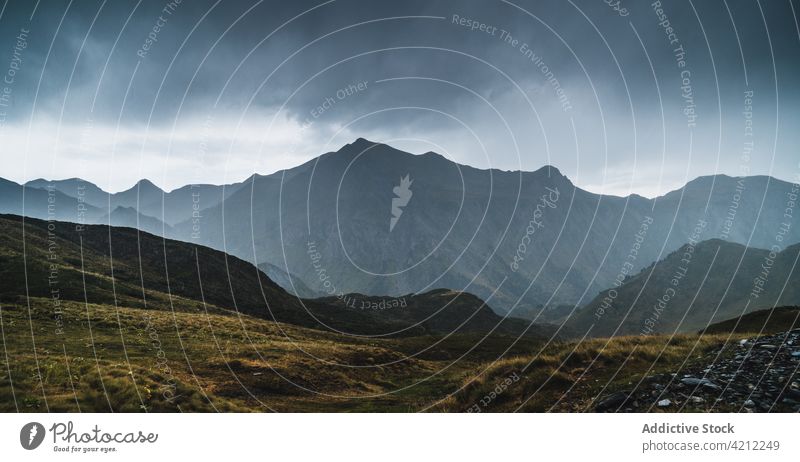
<point>239,58</point>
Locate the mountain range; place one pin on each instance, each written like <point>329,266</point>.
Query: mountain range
<point>525,241</point>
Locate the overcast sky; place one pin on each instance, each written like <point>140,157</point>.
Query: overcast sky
<point>212,92</point>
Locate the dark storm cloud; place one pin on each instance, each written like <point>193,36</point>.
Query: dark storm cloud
<point>206,57</point>
<point>210,21</point>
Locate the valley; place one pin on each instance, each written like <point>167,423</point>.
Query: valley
<point>99,319</point>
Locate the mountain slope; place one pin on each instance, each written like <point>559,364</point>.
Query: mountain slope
<point>768,321</point>
<point>110,265</point>
<point>693,288</point>
<point>128,217</point>
<point>290,283</point>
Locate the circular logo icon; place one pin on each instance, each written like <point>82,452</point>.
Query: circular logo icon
<point>31,435</point>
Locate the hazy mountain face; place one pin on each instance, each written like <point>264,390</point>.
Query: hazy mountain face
<point>694,287</point>
<point>80,202</point>
<point>145,197</point>
<point>372,219</point>
<point>375,220</point>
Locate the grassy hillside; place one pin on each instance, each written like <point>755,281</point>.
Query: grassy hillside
<point>101,358</point>
<point>769,321</point>
<point>92,357</point>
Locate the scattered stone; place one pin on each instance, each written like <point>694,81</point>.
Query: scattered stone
<point>612,402</point>
<point>695,382</point>
<point>794,394</point>
<point>750,375</point>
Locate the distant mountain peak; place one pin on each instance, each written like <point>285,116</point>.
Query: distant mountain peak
<point>550,170</point>
<point>359,145</point>
<point>364,147</point>
<point>144,185</point>
<point>144,182</point>
<point>363,142</point>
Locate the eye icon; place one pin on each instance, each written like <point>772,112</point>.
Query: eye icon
<point>31,435</point>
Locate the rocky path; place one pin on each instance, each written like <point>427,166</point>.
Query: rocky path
<point>754,375</point>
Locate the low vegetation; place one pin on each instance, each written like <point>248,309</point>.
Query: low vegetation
<point>100,358</point>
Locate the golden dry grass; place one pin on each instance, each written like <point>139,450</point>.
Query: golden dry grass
<point>132,360</point>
